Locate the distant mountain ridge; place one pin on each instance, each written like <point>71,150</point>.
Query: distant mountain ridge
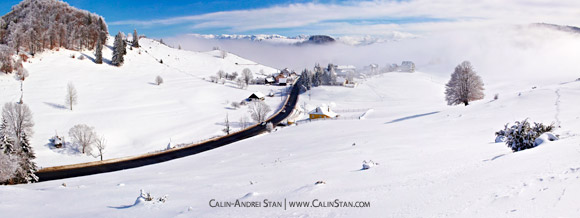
<point>311,39</point>
<point>569,29</point>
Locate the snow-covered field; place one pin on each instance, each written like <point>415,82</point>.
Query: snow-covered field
<point>125,105</point>
<point>433,160</point>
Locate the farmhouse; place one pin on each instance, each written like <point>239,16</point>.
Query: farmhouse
<point>257,96</point>
<point>322,113</point>
<point>281,79</point>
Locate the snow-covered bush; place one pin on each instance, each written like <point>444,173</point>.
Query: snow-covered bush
<point>236,105</point>
<point>147,197</point>
<point>522,135</point>
<point>269,126</point>
<point>367,165</point>
<point>158,80</point>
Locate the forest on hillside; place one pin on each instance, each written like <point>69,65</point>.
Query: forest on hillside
<point>35,25</point>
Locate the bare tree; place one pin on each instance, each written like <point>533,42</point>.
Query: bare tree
<point>243,122</point>
<point>71,96</point>
<point>241,83</point>
<point>100,144</point>
<point>158,80</point>
<point>84,136</point>
<point>464,86</point>
<point>227,128</point>
<point>223,54</point>
<point>220,74</point>
<point>247,76</point>
<point>259,110</point>
<point>18,121</point>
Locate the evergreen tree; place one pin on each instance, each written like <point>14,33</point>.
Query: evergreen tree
<point>6,142</point>
<point>317,79</point>
<point>305,80</point>
<point>27,167</point>
<point>135,39</point>
<point>99,51</point>
<point>118,50</point>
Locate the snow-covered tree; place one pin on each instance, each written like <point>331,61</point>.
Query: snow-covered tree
<point>6,61</point>
<point>220,74</point>
<point>305,80</point>
<point>158,80</point>
<point>227,128</point>
<point>317,78</point>
<point>15,129</point>
<point>100,145</point>
<point>243,122</point>
<point>71,96</point>
<point>135,39</point>
<point>18,121</point>
<point>6,139</point>
<point>27,170</point>
<point>99,51</point>
<point>329,76</point>
<point>241,83</point>
<point>223,54</point>
<point>259,111</point>
<point>21,74</point>
<point>247,75</point>
<point>464,86</point>
<point>8,166</point>
<point>84,136</point>
<point>119,50</point>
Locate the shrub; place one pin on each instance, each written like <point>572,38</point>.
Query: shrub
<point>158,80</point>
<point>522,135</point>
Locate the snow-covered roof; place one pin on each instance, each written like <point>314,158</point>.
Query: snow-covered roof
<point>257,95</point>
<point>270,79</point>
<point>324,111</point>
<point>282,80</point>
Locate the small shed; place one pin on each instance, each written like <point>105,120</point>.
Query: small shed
<point>322,113</point>
<point>270,80</point>
<point>257,96</point>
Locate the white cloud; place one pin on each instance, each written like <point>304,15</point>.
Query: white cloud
<point>345,18</point>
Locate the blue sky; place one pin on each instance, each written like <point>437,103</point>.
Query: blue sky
<point>159,18</point>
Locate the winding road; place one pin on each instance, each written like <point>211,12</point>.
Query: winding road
<point>91,168</point>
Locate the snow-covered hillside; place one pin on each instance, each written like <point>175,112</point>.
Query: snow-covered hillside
<point>433,160</point>
<point>125,105</point>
